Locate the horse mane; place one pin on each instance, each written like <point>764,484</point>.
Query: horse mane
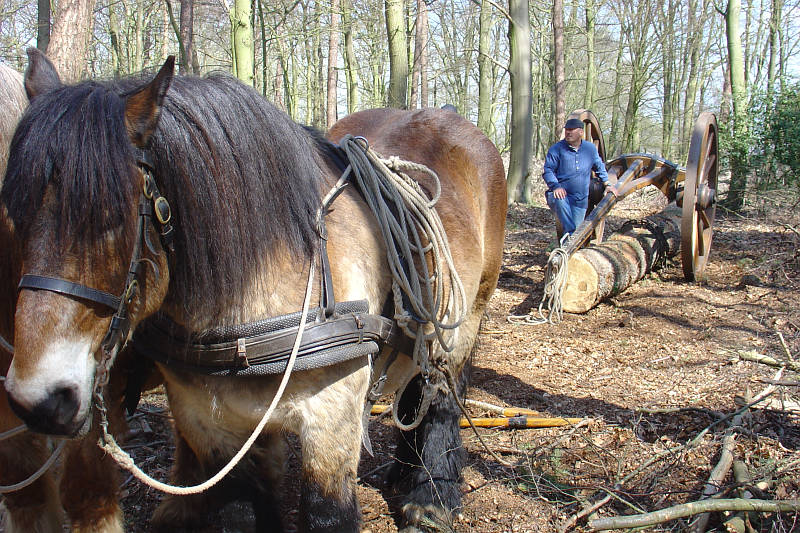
<point>242,179</point>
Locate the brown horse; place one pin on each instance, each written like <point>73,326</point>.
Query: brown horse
<point>87,488</point>
<point>36,507</point>
<point>244,185</point>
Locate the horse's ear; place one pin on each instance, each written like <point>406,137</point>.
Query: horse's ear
<point>143,107</point>
<point>40,76</point>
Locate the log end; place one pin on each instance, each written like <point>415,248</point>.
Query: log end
<point>580,294</point>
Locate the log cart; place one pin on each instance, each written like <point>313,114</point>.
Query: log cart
<point>605,268</point>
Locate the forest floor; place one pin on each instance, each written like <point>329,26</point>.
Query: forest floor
<point>656,374</point>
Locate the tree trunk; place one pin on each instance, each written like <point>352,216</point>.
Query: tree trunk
<point>559,88</point>
<point>591,69</point>
<point>185,65</point>
<point>398,56</point>
<point>333,59</point>
<point>43,25</point>
<point>609,268</point>
<point>242,42</point>
<point>113,33</point>
<point>485,69</point>
<point>349,58</point>
<point>69,40</point>
<point>419,75</point>
<point>519,70</point>
<point>739,148</point>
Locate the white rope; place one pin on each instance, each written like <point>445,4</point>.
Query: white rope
<point>125,461</point>
<point>36,475</point>
<point>555,281</point>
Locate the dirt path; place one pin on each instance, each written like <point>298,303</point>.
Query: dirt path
<point>650,370</point>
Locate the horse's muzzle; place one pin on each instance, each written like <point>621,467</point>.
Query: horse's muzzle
<point>54,415</point>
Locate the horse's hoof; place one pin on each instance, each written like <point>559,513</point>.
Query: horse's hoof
<point>426,519</point>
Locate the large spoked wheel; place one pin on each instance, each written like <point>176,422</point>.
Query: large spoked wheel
<point>699,197</point>
<point>591,130</point>
<point>593,134</point>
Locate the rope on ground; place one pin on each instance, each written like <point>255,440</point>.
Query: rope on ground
<point>555,281</point>
<point>122,458</point>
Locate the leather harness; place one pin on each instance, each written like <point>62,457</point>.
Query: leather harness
<point>339,332</point>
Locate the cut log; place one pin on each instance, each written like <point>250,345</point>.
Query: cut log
<point>607,269</point>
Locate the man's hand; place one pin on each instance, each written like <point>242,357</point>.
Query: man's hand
<point>560,193</point>
<point>610,189</point>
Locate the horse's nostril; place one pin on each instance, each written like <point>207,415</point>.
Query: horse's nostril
<point>54,415</point>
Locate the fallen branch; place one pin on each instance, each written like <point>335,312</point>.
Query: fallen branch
<point>715,479</point>
<point>767,360</point>
<point>694,508</point>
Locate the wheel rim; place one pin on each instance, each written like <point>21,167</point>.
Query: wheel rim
<point>591,130</point>
<point>699,197</point>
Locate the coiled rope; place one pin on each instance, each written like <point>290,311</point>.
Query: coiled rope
<point>427,305</point>
<point>407,218</point>
<point>555,281</point>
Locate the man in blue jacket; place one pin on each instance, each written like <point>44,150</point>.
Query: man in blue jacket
<point>567,171</point>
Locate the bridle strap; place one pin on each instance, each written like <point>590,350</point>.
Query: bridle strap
<point>62,286</point>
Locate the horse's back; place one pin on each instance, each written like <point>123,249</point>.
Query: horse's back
<point>473,201</point>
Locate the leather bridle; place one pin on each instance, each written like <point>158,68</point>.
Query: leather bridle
<point>153,208</point>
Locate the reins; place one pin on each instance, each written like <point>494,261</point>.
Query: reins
<point>13,432</point>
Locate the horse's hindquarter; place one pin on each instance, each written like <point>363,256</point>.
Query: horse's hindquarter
<point>472,205</point>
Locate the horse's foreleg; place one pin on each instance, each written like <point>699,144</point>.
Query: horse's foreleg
<point>90,486</point>
<point>331,444</point>
<point>183,511</point>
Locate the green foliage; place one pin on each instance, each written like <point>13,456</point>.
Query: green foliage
<point>774,147</point>
<point>785,128</point>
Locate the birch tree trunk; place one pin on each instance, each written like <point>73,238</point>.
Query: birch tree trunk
<point>485,69</point>
<point>558,68</point>
<point>519,70</point>
<point>43,25</point>
<point>333,59</point>
<point>349,58</point>
<point>70,38</point>
<point>398,54</point>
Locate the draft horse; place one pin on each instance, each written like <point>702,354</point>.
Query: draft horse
<point>244,186</point>
<point>87,489</point>
<point>36,507</point>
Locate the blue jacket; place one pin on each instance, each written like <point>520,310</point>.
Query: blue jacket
<point>571,169</point>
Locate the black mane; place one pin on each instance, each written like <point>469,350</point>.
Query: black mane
<point>241,177</point>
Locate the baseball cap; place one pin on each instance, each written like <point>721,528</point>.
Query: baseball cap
<point>573,123</point>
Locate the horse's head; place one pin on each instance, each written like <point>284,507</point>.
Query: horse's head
<point>72,192</point>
